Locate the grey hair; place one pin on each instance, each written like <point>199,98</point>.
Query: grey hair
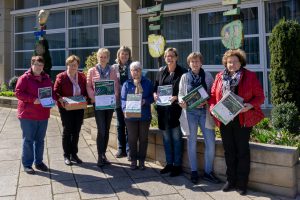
<point>135,65</point>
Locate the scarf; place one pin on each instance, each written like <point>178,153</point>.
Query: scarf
<point>138,86</point>
<point>124,75</point>
<point>76,87</point>
<point>194,80</point>
<point>104,72</point>
<point>230,82</point>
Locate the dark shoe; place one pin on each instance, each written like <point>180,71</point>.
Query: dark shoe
<point>76,159</point>
<point>176,171</point>
<point>142,165</point>
<point>227,187</point>
<point>120,154</point>
<point>100,162</point>
<point>42,167</point>
<point>104,160</point>
<point>29,170</point>
<point>194,177</point>
<point>211,178</point>
<point>133,165</point>
<point>243,191</point>
<point>68,161</point>
<point>166,169</point>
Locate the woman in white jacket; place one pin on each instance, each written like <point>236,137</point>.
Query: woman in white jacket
<point>198,116</point>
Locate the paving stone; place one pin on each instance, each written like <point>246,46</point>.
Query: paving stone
<point>10,143</point>
<point>64,187</point>
<point>53,142</point>
<point>121,183</point>
<point>34,193</point>
<point>169,197</point>
<point>55,150</point>
<point>148,172</point>
<point>130,193</point>
<point>39,178</point>
<point>67,196</point>
<point>179,182</point>
<point>194,193</point>
<point>10,154</point>
<point>8,198</point>
<point>88,174</point>
<point>115,171</point>
<point>8,185</point>
<point>95,189</point>
<point>62,174</point>
<point>9,168</point>
<point>154,186</point>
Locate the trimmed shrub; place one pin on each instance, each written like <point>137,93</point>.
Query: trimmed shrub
<point>285,116</point>
<point>90,62</point>
<point>12,83</point>
<point>285,62</point>
<point>4,87</point>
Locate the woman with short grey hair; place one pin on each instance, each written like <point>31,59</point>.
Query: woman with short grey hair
<point>138,127</point>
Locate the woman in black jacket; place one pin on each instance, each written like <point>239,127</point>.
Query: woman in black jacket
<point>168,115</point>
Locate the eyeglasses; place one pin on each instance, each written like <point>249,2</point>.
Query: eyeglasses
<point>38,64</point>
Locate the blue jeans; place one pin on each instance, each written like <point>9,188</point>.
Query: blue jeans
<point>34,132</point>
<point>172,139</point>
<point>198,117</point>
<point>122,131</point>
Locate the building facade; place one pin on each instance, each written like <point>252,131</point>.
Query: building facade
<point>82,26</point>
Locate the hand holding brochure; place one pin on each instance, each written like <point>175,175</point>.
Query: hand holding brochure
<point>74,102</point>
<point>195,97</point>
<point>228,107</point>
<point>105,95</point>
<point>133,106</point>
<point>164,93</point>
<point>45,97</point>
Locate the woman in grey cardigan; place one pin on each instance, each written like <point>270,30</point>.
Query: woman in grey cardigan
<point>198,116</point>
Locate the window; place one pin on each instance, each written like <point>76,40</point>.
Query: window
<point>210,26</point>
<point>110,14</point>
<point>21,4</point>
<point>49,2</point>
<point>25,23</point>
<point>147,3</point>
<point>177,31</point>
<point>83,17</point>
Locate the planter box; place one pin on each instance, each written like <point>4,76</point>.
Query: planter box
<point>273,168</point>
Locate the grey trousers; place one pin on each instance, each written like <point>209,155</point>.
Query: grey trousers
<point>137,132</point>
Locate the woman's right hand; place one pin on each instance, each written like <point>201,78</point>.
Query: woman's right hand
<point>182,104</point>
<point>37,101</point>
<point>93,100</point>
<point>155,96</point>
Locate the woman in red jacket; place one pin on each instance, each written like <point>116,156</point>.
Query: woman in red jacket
<point>32,115</point>
<point>70,83</point>
<point>236,134</point>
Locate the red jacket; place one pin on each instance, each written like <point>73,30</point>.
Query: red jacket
<point>250,89</point>
<point>27,92</point>
<point>63,86</point>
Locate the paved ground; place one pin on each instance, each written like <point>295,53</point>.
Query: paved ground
<point>87,181</point>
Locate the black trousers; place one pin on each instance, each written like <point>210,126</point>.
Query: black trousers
<point>237,153</point>
<point>138,133</point>
<point>71,121</point>
<point>103,120</point>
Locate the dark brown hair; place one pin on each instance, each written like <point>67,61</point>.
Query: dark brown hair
<point>39,59</point>
<point>240,54</point>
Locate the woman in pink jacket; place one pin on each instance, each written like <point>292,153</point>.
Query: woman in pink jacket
<point>102,71</point>
<point>32,115</point>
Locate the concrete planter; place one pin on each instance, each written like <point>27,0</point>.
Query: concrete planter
<point>273,167</point>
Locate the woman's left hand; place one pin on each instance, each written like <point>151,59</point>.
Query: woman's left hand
<point>247,107</point>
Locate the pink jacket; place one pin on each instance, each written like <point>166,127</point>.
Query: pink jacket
<point>27,92</point>
<point>93,75</point>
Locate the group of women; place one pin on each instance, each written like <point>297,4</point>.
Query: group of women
<point>133,130</point>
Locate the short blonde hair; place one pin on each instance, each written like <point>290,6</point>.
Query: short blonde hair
<point>72,58</point>
<point>124,49</point>
<point>240,54</point>
<point>136,65</point>
<point>174,50</point>
<point>102,51</point>
<point>194,55</point>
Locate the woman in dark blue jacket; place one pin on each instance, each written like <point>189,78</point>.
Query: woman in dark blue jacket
<point>138,127</point>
